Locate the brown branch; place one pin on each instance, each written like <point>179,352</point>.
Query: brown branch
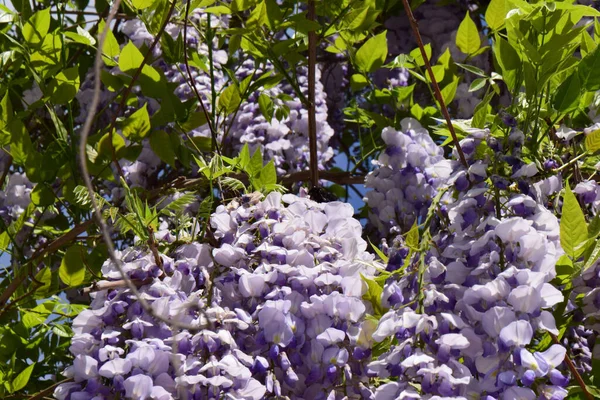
<point>312,121</point>
<point>341,178</point>
<point>213,132</point>
<point>6,169</point>
<point>574,371</point>
<point>64,239</point>
<point>78,12</point>
<point>48,390</point>
<point>153,247</point>
<point>121,283</point>
<point>129,87</point>
<point>50,248</point>
<point>436,87</point>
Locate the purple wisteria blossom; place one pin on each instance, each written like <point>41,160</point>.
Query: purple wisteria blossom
<point>465,316</point>
<point>277,308</point>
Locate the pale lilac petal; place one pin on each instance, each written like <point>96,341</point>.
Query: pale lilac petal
<point>138,387</point>
<point>117,366</point>
<point>517,333</point>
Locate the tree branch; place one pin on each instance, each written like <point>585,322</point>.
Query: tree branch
<point>50,248</point>
<point>574,371</point>
<point>436,87</point>
<point>129,87</point>
<point>312,120</point>
<point>341,178</point>
<point>213,132</point>
<point>48,390</point>
<point>121,283</point>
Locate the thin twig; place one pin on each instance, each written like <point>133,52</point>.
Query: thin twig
<point>341,178</point>
<point>6,169</point>
<point>180,183</point>
<point>78,12</point>
<point>153,247</point>
<point>129,87</point>
<point>88,184</point>
<point>213,133</point>
<point>574,371</point>
<point>50,248</point>
<point>436,87</point>
<point>64,239</point>
<point>312,121</point>
<point>48,390</point>
<point>121,283</point>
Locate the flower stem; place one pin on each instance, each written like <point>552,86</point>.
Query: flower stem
<point>312,121</point>
<point>436,87</point>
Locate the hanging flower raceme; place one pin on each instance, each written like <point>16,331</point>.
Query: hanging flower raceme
<point>277,305</point>
<point>406,178</point>
<point>468,313</point>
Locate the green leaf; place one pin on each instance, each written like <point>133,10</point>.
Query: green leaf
<point>564,269</point>
<point>358,81</point>
<point>22,379</point>
<point>241,5</point>
<point>567,95</point>
<point>82,36</point>
<point>373,294</point>
<point>573,228</point>
<point>506,55</point>
<point>594,227</point>
<point>244,157</point>
<point>587,44</point>
<point>418,56</point>
<point>593,256</point>
<point>72,268</point>
<point>380,253</point>
<point>130,58</point>
<point>274,14</point>
<point>111,47</point>
<point>230,99</point>
<point>477,84</point>
<point>142,4</point>
<point>449,91</point>
<point>6,113</point>
<point>268,175</point>
<point>588,71</point>
<point>20,146</point>
<point>42,195</point>
<point>45,277</point>
<point>65,86</point>
<point>467,37</point>
<point>179,204</point>
<point>372,53</point>
<point>412,237</point>
<point>4,241</point>
<point>161,144</point>
<point>195,120</point>
<point>137,125</point>
<point>255,165</point>
<point>32,319</point>
<point>6,15</point>
<point>472,69</point>
<point>592,141</point>
<point>266,106</point>
<point>36,28</point>
<point>481,111</point>
<point>495,15</point>
<point>218,10</point>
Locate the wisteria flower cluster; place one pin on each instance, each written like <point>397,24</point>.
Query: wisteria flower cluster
<point>277,308</point>
<point>406,177</point>
<point>465,316</point>
<point>284,140</point>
